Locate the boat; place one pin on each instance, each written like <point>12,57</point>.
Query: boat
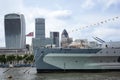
<point>106,57</point>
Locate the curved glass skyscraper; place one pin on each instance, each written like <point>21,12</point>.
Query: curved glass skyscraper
<point>64,34</point>
<point>14,31</point>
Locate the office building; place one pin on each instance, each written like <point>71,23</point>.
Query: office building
<point>14,31</point>
<point>79,43</point>
<point>40,28</point>
<point>55,37</point>
<point>64,34</point>
<point>39,31</point>
<point>65,40</point>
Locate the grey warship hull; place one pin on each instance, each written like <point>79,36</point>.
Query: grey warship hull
<point>58,59</point>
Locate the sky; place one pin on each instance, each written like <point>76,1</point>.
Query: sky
<point>67,14</point>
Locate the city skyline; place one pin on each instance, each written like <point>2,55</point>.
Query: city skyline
<point>70,15</point>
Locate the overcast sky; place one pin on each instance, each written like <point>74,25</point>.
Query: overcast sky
<point>66,14</point>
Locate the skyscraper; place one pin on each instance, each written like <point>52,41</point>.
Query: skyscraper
<point>65,40</point>
<point>64,34</point>
<point>55,38</point>
<point>14,31</point>
<point>40,28</point>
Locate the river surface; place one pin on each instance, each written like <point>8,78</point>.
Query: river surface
<point>31,74</point>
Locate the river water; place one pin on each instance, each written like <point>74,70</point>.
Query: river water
<point>31,74</point>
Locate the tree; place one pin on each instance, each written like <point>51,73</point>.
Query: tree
<point>3,59</point>
<point>10,58</point>
<point>19,58</point>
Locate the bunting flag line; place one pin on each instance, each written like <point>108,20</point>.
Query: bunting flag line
<point>98,23</point>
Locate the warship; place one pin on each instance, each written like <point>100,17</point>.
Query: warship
<point>106,57</point>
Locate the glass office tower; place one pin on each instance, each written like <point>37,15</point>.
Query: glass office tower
<point>55,37</point>
<point>40,28</point>
<point>14,31</point>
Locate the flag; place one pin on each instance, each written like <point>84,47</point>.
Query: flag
<point>30,34</point>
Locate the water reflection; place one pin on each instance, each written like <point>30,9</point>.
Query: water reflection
<point>30,74</point>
